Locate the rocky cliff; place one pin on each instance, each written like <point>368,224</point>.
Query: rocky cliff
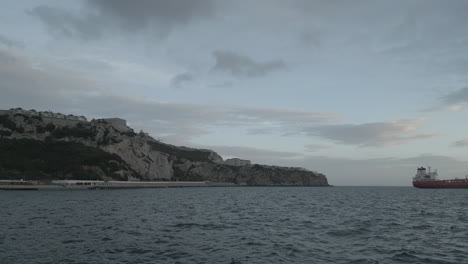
<point>108,149</point>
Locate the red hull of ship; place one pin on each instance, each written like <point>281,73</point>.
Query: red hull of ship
<point>441,184</point>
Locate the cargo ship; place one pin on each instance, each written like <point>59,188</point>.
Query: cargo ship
<point>424,179</point>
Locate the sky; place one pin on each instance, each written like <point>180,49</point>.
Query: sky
<point>362,91</point>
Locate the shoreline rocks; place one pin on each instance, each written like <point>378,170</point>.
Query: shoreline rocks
<point>137,156</point>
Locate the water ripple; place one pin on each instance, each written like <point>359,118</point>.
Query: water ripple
<point>235,225</point>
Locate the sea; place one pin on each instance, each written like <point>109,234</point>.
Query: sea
<point>235,225</point>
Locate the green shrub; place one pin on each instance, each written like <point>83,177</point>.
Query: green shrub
<point>5,133</point>
<point>26,117</point>
<point>50,127</point>
<point>40,129</point>
<point>56,158</point>
<point>78,132</point>
<point>7,122</point>
<point>39,118</point>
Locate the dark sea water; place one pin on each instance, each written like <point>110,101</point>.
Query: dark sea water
<point>235,225</point>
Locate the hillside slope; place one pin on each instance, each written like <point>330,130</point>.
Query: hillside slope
<point>108,149</point>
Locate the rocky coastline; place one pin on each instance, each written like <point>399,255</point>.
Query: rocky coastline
<point>35,146</point>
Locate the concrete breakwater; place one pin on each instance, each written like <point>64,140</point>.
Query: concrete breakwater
<point>79,184</point>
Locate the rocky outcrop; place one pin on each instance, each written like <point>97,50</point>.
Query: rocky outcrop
<point>145,158</point>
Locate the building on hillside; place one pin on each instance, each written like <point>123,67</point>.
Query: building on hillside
<point>47,114</point>
<point>59,115</point>
<point>119,123</point>
<point>237,162</point>
<point>19,110</point>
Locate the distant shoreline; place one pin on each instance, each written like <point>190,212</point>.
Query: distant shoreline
<point>93,185</point>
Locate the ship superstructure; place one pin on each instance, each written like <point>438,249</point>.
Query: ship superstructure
<point>428,179</point>
<point>422,175</point>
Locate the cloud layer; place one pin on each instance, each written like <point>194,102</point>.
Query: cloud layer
<point>456,97</point>
<point>277,80</point>
<point>244,66</point>
<point>50,88</point>
<point>138,15</point>
<point>460,143</point>
<point>9,42</point>
<point>372,134</point>
<point>66,90</point>
<point>61,22</point>
<point>181,80</point>
<point>101,17</point>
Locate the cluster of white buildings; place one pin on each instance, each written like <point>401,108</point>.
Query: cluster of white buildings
<point>237,162</point>
<point>62,119</point>
<point>49,114</point>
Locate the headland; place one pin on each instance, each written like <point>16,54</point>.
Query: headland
<point>45,146</point>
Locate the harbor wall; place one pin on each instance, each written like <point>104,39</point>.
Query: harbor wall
<point>79,184</point>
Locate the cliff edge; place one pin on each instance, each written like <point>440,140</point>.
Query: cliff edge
<point>46,145</point>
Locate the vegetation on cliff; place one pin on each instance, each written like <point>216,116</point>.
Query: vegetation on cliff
<point>6,122</point>
<point>58,160</point>
<point>32,147</point>
<point>189,154</point>
<point>78,131</point>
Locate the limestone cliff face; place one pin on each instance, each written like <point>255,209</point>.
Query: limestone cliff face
<point>149,159</point>
<point>254,175</point>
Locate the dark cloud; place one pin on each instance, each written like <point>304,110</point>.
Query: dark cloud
<point>62,22</point>
<point>460,143</point>
<point>135,15</point>
<point>456,100</point>
<point>310,38</point>
<point>244,66</point>
<point>456,97</point>
<point>98,17</point>
<point>372,134</point>
<point>9,42</point>
<point>180,80</point>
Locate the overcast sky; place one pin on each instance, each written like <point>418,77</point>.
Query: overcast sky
<point>362,91</point>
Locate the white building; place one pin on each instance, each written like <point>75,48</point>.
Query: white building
<point>237,162</point>
<point>59,115</point>
<point>47,114</point>
<point>118,123</point>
